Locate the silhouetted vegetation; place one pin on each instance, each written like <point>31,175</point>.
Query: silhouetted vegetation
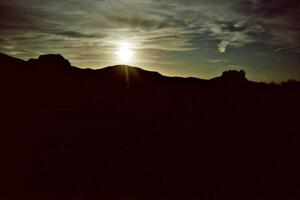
<point>234,76</point>
<point>126,133</point>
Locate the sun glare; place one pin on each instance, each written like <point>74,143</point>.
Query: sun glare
<point>125,53</point>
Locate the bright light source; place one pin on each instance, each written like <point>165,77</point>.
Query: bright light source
<point>125,53</point>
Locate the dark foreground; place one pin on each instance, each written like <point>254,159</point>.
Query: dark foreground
<point>125,133</point>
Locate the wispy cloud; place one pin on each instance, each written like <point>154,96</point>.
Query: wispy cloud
<point>171,25</point>
<point>218,61</point>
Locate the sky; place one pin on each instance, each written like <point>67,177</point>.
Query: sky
<point>198,38</point>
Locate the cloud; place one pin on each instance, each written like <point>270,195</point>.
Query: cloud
<point>217,61</point>
<point>288,49</point>
<point>278,20</point>
<point>75,34</point>
<point>222,46</point>
<point>171,25</point>
<point>268,8</point>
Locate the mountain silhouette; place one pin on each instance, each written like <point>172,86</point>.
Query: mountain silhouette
<point>122,132</point>
<point>52,61</point>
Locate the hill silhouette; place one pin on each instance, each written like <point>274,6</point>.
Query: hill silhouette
<point>122,132</point>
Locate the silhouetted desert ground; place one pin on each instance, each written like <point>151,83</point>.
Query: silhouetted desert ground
<point>125,133</point>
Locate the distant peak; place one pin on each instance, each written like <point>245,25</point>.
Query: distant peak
<point>51,59</point>
<point>130,70</point>
<point>51,56</point>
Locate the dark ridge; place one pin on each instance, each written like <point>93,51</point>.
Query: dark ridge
<point>131,71</point>
<point>8,60</point>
